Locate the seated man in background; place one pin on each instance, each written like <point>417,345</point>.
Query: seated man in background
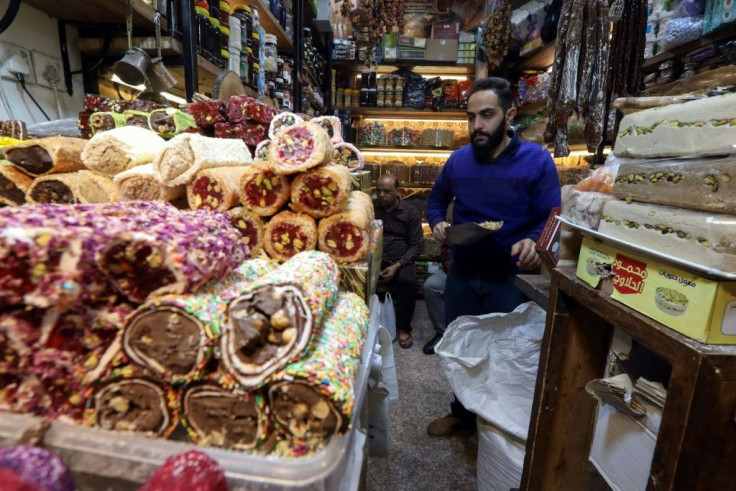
<point>434,297</point>
<point>402,239</point>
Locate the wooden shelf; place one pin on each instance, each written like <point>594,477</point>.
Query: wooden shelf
<point>651,64</point>
<point>433,68</point>
<point>538,59</point>
<point>99,12</point>
<point>206,74</point>
<point>711,79</point>
<point>119,45</point>
<point>387,112</point>
<point>270,24</point>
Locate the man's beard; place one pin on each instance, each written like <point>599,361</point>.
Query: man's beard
<point>483,151</point>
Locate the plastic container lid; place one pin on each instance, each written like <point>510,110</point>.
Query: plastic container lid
<point>270,39</point>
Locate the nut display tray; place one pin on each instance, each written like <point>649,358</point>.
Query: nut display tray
<point>101,459</point>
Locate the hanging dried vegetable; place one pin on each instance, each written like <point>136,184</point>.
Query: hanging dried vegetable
<point>496,34</point>
<point>579,74</point>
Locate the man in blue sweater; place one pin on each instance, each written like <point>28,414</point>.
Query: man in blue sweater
<point>496,177</point>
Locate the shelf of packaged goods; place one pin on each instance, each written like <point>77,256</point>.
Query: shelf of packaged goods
<point>651,64</point>
<point>538,59</point>
<point>720,77</point>
<point>270,24</point>
<point>433,68</point>
<point>99,12</point>
<point>391,150</point>
<point>388,112</point>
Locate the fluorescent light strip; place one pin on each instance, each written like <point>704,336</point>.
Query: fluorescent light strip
<point>142,87</point>
<point>422,153</point>
<point>419,118</point>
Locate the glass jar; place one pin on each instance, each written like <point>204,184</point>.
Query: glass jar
<point>279,67</point>
<point>224,13</point>
<point>215,10</point>
<point>289,24</point>
<point>243,12</point>
<point>203,4</point>
<point>276,9</point>
<point>271,91</point>
<point>203,29</point>
<point>288,67</point>
<point>288,100</point>
<point>270,55</point>
<point>244,68</point>
<point>215,41</point>
<point>256,23</point>
<point>224,38</point>
<point>279,96</point>
<point>348,98</point>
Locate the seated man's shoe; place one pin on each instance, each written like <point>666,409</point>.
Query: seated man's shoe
<point>429,347</point>
<point>444,427</point>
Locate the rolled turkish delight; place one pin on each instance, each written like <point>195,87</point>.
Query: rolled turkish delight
<point>171,336</point>
<point>215,189</point>
<point>13,185</point>
<point>313,396</point>
<point>703,238</point>
<point>261,152</point>
<point>332,126</point>
<point>208,113</point>
<point>23,393</point>
<point>76,351</point>
<point>54,188</point>
<point>345,236</point>
<point>263,191</point>
<point>114,151</point>
<point>137,118</point>
<point>281,122</point>
<point>142,183</point>
<point>177,255</point>
<point>137,404</point>
<point>186,154</point>
<point>250,227</point>
<point>169,121</point>
<point>347,155</point>
<point>271,324</point>
<point>19,334</point>
<point>288,233</point>
<point>300,147</point>
<point>243,108</point>
<point>322,191</point>
<point>51,155</point>
<point>105,121</point>
<point>36,469</point>
<point>219,412</point>
<point>699,184</point>
<point>95,188</point>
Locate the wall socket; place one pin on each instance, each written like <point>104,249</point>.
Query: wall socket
<point>48,71</point>
<point>7,50</point>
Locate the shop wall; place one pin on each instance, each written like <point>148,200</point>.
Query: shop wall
<point>36,31</point>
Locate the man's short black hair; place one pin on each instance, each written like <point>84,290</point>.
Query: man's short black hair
<point>499,85</point>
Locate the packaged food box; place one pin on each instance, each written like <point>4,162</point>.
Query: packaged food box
<point>410,42</point>
<point>701,308</point>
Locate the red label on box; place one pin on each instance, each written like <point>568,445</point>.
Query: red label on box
<point>630,275</point>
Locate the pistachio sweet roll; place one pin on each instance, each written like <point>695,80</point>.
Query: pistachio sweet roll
<point>322,191</point>
<point>142,183</point>
<point>300,147</point>
<point>169,122</point>
<point>263,191</point>
<point>250,227</point>
<point>95,188</point>
<point>105,121</point>
<point>288,234</point>
<point>271,324</point>
<point>117,150</point>
<point>172,336</point>
<point>346,236</point>
<point>215,189</point>
<point>346,154</point>
<point>332,125</point>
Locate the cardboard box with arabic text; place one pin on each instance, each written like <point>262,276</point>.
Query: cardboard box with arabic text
<point>700,308</point>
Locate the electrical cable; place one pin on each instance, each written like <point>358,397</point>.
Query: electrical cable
<point>4,98</point>
<point>22,80</point>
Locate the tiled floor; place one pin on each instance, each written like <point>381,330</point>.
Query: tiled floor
<point>416,460</point>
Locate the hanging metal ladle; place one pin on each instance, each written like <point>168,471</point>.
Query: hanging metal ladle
<point>133,67</point>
